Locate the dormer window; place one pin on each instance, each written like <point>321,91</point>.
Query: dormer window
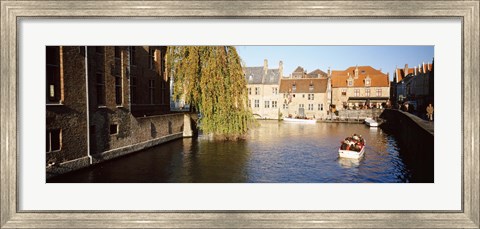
<point>367,82</point>
<point>250,78</point>
<point>294,87</point>
<point>311,86</point>
<point>363,71</point>
<point>350,82</point>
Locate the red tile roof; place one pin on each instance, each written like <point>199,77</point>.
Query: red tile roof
<point>400,72</point>
<point>378,78</point>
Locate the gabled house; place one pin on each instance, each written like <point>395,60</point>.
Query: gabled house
<point>358,86</point>
<point>263,93</point>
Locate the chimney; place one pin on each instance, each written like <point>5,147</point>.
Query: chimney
<point>415,70</point>
<point>423,66</point>
<point>329,71</point>
<point>280,68</point>
<point>356,72</point>
<point>419,68</point>
<point>406,69</point>
<point>265,66</point>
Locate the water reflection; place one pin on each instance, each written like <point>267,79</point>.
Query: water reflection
<point>349,162</point>
<point>275,152</point>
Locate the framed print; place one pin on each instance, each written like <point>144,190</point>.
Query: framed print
<point>121,61</point>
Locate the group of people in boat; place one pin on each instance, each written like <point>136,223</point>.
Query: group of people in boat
<point>353,143</point>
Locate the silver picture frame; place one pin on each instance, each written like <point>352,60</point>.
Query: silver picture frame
<point>467,11</point>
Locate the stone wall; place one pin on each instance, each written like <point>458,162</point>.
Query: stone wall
<point>141,133</point>
<point>355,114</point>
<point>416,139</point>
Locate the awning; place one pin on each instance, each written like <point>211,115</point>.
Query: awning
<point>369,99</point>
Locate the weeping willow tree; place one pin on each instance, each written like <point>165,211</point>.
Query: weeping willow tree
<point>211,80</point>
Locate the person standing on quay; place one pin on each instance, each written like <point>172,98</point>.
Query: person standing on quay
<point>430,112</point>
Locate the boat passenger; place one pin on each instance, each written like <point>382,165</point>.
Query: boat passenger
<point>355,136</point>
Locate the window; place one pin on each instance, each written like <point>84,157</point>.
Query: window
<point>163,88</point>
<point>53,74</point>
<point>151,91</point>
<point>301,105</point>
<point>367,92</point>
<point>275,90</point>
<point>285,106</point>
<point>257,103</point>
<point>113,129</point>
<point>350,82</point>
<point>379,92</point>
<point>357,92</point>
<point>54,140</point>
<point>133,89</point>
<point>118,90</point>
<point>267,104</point>
<point>99,49</point>
<point>367,82</point>
<point>117,52</point>
<point>100,89</point>
<point>249,103</point>
<point>310,107</point>
<point>344,92</point>
<point>311,96</point>
<point>151,58</point>
<point>257,91</point>
<point>249,90</point>
<point>274,104</point>
<point>320,107</point>
<point>133,56</point>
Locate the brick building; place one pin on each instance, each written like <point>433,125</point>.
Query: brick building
<point>415,85</point>
<point>115,104</point>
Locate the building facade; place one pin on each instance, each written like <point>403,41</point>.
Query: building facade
<point>414,85</point>
<point>103,102</point>
<point>304,97</point>
<point>359,86</point>
<point>263,90</point>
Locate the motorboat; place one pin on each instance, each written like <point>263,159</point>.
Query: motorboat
<point>351,153</point>
<point>299,120</point>
<point>371,122</point>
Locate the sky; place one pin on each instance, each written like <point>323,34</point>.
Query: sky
<point>310,58</point>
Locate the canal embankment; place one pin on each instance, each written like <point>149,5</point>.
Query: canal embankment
<point>352,116</point>
<point>416,137</point>
<point>140,133</point>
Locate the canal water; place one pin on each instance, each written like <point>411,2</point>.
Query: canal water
<point>274,152</point>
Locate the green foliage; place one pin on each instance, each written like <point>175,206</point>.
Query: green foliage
<point>211,80</point>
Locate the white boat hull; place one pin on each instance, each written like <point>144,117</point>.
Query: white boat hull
<point>371,123</point>
<point>299,120</point>
<point>351,154</point>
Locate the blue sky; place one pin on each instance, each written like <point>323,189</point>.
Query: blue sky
<point>336,57</point>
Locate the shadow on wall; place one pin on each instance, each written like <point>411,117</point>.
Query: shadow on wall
<point>416,143</point>
<point>153,130</point>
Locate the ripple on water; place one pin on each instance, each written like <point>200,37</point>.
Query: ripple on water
<point>275,152</point>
